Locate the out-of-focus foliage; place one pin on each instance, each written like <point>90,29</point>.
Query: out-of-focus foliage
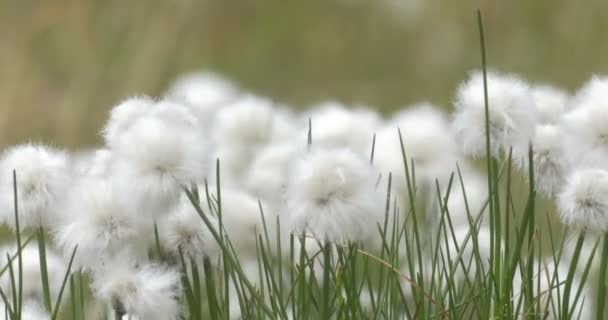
<point>64,63</point>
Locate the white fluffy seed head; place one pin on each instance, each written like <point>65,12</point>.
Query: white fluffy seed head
<point>427,141</point>
<point>336,125</point>
<point>331,194</point>
<point>124,115</point>
<point>242,219</point>
<point>511,113</point>
<point>583,201</point>
<point>185,229</point>
<point>550,161</point>
<point>244,127</point>
<point>32,284</point>
<point>206,92</point>
<point>43,176</point>
<point>550,103</point>
<point>102,222</point>
<point>267,175</point>
<point>585,124</point>
<point>146,291</point>
<point>159,155</point>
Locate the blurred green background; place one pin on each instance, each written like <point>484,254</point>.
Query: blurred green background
<point>65,63</point>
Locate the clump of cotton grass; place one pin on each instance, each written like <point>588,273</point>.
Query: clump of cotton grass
<point>183,229</point>
<point>241,219</point>
<point>550,103</point>
<point>98,164</point>
<point>332,195</point>
<point>585,124</point>
<point>145,291</point>
<point>242,128</point>
<point>32,277</point>
<point>103,223</point>
<point>158,155</point>
<point>205,92</point>
<point>511,113</point>
<point>123,116</point>
<point>427,141</point>
<point>43,176</point>
<point>335,125</point>
<point>266,177</point>
<point>583,202</point>
<point>549,158</point>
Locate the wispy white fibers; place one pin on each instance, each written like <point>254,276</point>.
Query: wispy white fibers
<point>206,92</point>
<point>583,200</point>
<point>43,176</point>
<point>242,219</point>
<point>336,125</point>
<point>267,175</point>
<point>123,116</point>
<point>160,153</point>
<point>146,291</point>
<point>242,128</point>
<point>550,103</point>
<point>332,194</point>
<point>102,222</point>
<point>511,113</point>
<point>549,156</point>
<point>427,141</point>
<point>184,229</point>
<point>585,125</point>
<point>32,278</point>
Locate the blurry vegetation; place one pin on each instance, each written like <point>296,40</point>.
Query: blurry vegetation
<point>64,63</point>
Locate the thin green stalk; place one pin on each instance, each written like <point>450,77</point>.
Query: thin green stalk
<point>19,298</point>
<point>602,285</point>
<point>43,270</point>
<point>565,312</point>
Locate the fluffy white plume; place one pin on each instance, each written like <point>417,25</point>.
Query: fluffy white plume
<point>332,194</point>
<point>550,161</point>
<point>158,155</point>
<point>185,229</point>
<point>32,278</point>
<point>43,176</point>
<point>206,92</point>
<point>585,126</point>
<point>267,175</point>
<point>123,116</point>
<point>335,125</point>
<point>242,128</point>
<point>242,220</point>
<point>427,141</point>
<point>146,291</point>
<point>511,113</point>
<point>102,222</point>
<point>550,103</point>
<point>583,201</point>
